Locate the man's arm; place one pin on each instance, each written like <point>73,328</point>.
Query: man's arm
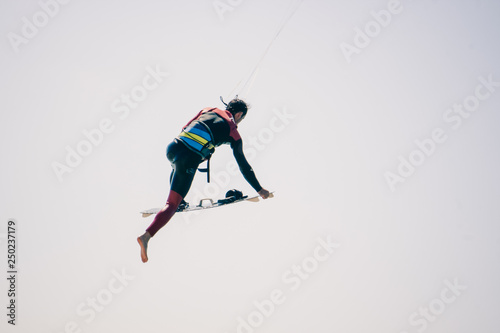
<point>246,169</point>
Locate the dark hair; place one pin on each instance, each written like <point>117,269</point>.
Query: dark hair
<point>237,105</point>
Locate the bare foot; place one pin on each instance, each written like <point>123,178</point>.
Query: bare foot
<point>143,242</point>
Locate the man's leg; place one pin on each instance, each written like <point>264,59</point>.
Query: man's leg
<point>163,216</point>
<point>181,180</point>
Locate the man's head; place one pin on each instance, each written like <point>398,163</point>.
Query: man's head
<point>238,109</point>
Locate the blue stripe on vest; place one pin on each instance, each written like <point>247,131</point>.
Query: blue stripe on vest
<point>192,143</point>
<point>201,131</point>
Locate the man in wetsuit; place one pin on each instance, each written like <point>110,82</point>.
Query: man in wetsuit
<point>211,128</point>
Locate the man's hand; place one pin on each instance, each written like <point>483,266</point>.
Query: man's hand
<point>264,193</point>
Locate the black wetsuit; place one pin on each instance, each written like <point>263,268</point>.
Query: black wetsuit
<point>185,157</point>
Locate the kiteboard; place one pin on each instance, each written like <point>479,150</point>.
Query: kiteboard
<point>232,197</point>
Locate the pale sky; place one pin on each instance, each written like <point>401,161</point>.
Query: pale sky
<point>375,123</point>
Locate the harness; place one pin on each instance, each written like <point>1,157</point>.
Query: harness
<point>198,137</point>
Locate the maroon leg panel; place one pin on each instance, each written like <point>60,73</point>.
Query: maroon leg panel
<point>164,215</point>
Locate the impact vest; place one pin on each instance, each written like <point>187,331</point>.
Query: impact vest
<point>199,137</point>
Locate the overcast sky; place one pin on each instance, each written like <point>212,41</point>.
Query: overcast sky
<point>375,123</point>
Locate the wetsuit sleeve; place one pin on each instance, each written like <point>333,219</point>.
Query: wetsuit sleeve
<point>245,167</point>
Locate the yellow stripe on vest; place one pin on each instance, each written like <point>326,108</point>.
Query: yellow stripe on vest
<point>195,137</point>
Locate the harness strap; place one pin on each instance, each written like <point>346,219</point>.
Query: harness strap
<point>207,169</point>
